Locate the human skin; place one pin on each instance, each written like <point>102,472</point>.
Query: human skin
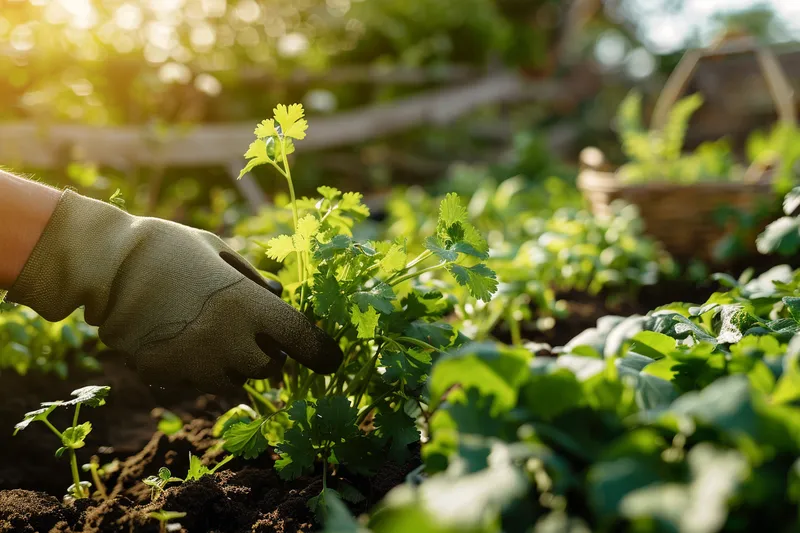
<point>25,208</point>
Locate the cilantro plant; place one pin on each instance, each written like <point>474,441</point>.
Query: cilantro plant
<point>197,470</point>
<point>73,437</point>
<point>384,305</point>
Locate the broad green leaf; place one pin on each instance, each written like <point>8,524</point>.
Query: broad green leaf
<point>245,439</point>
<point>652,344</point>
<point>493,369</point>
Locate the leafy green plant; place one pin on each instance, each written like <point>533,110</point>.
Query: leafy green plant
<point>73,437</point>
<point>384,306</point>
<point>196,471</point>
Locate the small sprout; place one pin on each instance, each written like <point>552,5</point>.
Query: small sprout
<point>197,470</point>
<point>73,437</point>
<point>164,517</point>
<point>94,468</point>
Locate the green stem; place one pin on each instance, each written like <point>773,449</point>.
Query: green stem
<point>365,411</point>
<point>419,343</point>
<point>76,478</point>
<point>260,398</point>
<point>101,488</point>
<point>75,417</point>
<point>418,273</point>
<point>414,262</point>
<point>52,428</point>
<point>301,394</point>
<point>367,377</point>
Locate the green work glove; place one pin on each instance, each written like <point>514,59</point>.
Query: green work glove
<point>178,301</point>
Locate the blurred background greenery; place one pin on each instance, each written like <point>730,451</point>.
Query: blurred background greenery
<point>398,90</point>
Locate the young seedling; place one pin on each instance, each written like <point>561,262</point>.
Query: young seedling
<point>197,470</point>
<point>73,437</point>
<point>164,517</point>
<point>96,471</point>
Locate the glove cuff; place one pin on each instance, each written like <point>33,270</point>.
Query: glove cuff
<point>76,259</point>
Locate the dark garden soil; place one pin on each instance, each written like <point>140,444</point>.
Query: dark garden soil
<point>247,496</point>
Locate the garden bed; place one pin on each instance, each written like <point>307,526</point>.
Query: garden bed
<point>245,496</point>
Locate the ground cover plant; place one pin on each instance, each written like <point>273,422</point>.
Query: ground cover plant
<point>684,419</point>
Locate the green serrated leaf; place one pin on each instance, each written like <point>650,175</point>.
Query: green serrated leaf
<point>74,437</point>
<point>245,439</point>
<point>365,322</point>
<point>479,279</point>
<point>379,297</point>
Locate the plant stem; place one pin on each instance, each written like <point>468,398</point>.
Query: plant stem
<point>301,394</point>
<point>101,488</point>
<point>419,343</point>
<point>365,412</point>
<point>367,377</point>
<point>76,478</point>
<point>260,398</point>
<point>414,262</point>
<point>52,428</point>
<point>75,416</point>
<point>418,273</point>
<point>513,326</point>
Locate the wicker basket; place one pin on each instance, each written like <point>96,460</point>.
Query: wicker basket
<point>681,216</point>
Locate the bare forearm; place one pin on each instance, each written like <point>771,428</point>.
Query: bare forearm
<point>25,208</point>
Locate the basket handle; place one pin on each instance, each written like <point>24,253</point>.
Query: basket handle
<point>779,87</point>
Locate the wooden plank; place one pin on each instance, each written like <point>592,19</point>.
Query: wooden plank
<point>44,146</point>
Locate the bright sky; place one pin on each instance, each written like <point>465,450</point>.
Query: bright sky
<point>666,32</point>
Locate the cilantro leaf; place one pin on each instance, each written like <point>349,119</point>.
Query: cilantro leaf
<point>327,250</point>
<point>365,322</point>
<point>291,120</point>
<point>380,297</point>
<point>398,430</point>
<point>307,229</point>
<point>279,248</point>
<point>451,211</point>
<point>394,260</point>
<point>245,439</point>
<point>90,396</point>
<point>479,279</point>
<point>410,369</point>
<point>297,454</point>
<point>75,437</point>
<point>438,335</point>
<point>435,245</point>
<point>329,299</point>
<point>329,193</point>
<point>335,419</point>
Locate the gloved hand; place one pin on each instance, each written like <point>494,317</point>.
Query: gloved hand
<point>181,303</point>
